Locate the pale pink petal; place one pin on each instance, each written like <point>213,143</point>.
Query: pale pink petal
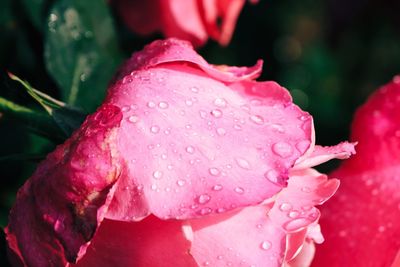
<point>305,256</point>
<point>136,13</point>
<point>151,242</point>
<point>361,222</point>
<point>203,146</point>
<point>243,238</point>
<point>294,207</point>
<point>59,208</point>
<point>174,51</point>
<point>321,154</point>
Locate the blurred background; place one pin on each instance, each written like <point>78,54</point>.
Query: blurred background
<point>330,54</point>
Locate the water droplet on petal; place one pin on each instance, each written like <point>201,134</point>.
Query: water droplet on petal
<point>303,117</point>
<point>242,163</point>
<point>220,257</point>
<point>203,114</point>
<point>239,190</point>
<point>277,127</point>
<point>181,182</point>
<point>221,131</point>
<point>163,105</point>
<point>265,245</point>
<point>282,149</point>
<point>273,176</point>
<point>306,189</point>
<point>151,104</point>
<point>157,174</point>
<point>154,187</point>
<point>296,224</point>
<point>257,119</point>
<point>220,102</point>
<point>133,119</point>
<point>285,207</point>
<point>204,211</point>
<point>214,171</point>
<point>189,103</point>
<point>190,149</point>
<point>217,187</point>
<point>302,146</point>
<point>155,129</point>
<point>216,113</point>
<point>293,214</point>
<point>203,199</point>
<point>194,89</point>
<point>237,127</point>
<point>125,108</point>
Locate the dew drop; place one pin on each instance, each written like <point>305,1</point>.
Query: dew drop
<point>214,171</point>
<point>217,187</point>
<point>303,117</point>
<point>181,182</point>
<point>151,104</point>
<point>221,210</point>
<point>273,176</point>
<point>296,224</point>
<point>216,113</point>
<point>203,199</point>
<point>239,190</point>
<point>302,146</point>
<point>204,211</point>
<point>293,214</point>
<point>277,127</point>
<point>190,149</point>
<point>257,119</point>
<point>285,207</point>
<point>194,89</point>
<point>220,102</point>
<point>154,129</point>
<point>125,108</point>
<point>220,257</point>
<point>242,163</point>
<point>221,131</point>
<point>163,105</point>
<point>157,174</point>
<point>133,119</point>
<point>265,245</point>
<point>154,187</point>
<point>237,127</point>
<point>189,103</point>
<point>282,149</point>
<point>203,114</point>
<point>306,189</point>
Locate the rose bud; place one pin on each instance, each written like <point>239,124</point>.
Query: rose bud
<point>191,20</point>
<point>361,222</point>
<point>184,164</point>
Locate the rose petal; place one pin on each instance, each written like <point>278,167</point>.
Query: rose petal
<point>294,209</point>
<point>151,242</point>
<point>225,11</point>
<point>242,238</point>
<point>321,154</point>
<point>59,208</point>
<point>201,145</point>
<point>360,223</point>
<point>174,50</point>
<point>305,257</point>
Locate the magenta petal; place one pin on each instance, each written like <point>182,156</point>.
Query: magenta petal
<point>244,238</point>
<point>173,51</point>
<point>59,208</point>
<point>151,242</point>
<point>361,223</point>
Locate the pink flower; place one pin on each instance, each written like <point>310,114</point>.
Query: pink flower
<point>184,164</point>
<point>190,20</point>
<point>361,223</point>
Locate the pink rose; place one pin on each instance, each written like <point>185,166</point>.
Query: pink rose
<point>192,20</point>
<point>361,222</point>
<point>184,164</point>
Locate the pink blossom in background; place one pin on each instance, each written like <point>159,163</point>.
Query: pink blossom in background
<point>361,222</point>
<point>192,20</point>
<point>184,164</point>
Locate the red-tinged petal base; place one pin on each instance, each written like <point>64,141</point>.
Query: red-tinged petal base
<point>150,242</point>
<point>361,222</point>
<point>59,208</point>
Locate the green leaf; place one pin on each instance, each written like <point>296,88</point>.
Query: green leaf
<point>81,51</point>
<point>35,10</point>
<point>67,118</point>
